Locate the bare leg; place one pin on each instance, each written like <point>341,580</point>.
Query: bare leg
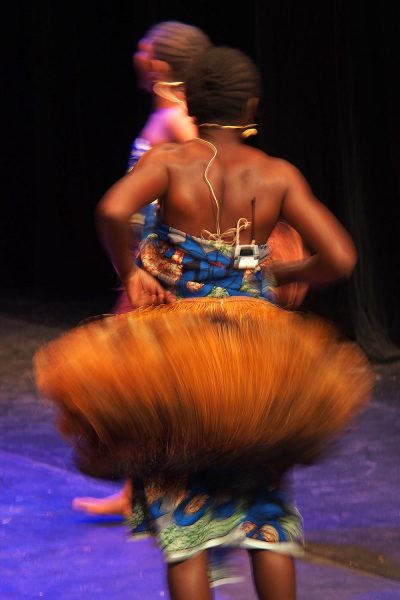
<point>189,579</point>
<point>274,575</point>
<point>116,504</point>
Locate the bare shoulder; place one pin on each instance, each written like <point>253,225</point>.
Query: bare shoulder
<point>285,172</point>
<point>171,153</point>
<point>277,167</point>
<point>159,153</point>
<point>287,169</point>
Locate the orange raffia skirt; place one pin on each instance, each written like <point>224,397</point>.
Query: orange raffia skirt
<point>200,385</point>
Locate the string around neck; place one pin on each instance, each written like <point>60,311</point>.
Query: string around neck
<point>247,130</point>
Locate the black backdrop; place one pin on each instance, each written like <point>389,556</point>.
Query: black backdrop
<point>330,106</point>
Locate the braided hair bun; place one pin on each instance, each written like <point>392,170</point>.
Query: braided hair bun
<point>219,83</point>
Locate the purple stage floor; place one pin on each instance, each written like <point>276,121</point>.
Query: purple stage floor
<point>350,501</point>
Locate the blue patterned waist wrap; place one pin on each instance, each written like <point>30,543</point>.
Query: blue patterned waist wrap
<point>192,267</point>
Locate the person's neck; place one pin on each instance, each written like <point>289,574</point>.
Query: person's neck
<point>217,135</point>
<point>161,103</point>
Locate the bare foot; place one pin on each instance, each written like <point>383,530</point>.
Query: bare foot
<point>116,504</point>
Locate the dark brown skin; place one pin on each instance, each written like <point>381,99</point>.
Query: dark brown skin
<point>174,173</point>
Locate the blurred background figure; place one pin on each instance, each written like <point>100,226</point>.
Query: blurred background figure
<point>161,62</point>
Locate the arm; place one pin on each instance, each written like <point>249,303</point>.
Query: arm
<point>334,254</point>
<point>148,181</point>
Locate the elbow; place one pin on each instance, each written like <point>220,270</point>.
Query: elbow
<point>102,210</point>
<point>345,262</point>
<point>101,217</point>
<point>105,212</point>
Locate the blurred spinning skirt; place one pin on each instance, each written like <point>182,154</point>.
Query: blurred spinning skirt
<point>205,404</point>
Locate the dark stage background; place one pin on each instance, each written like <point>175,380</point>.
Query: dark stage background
<point>330,106</point>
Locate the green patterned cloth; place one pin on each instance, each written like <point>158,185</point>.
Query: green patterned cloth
<point>191,516</point>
